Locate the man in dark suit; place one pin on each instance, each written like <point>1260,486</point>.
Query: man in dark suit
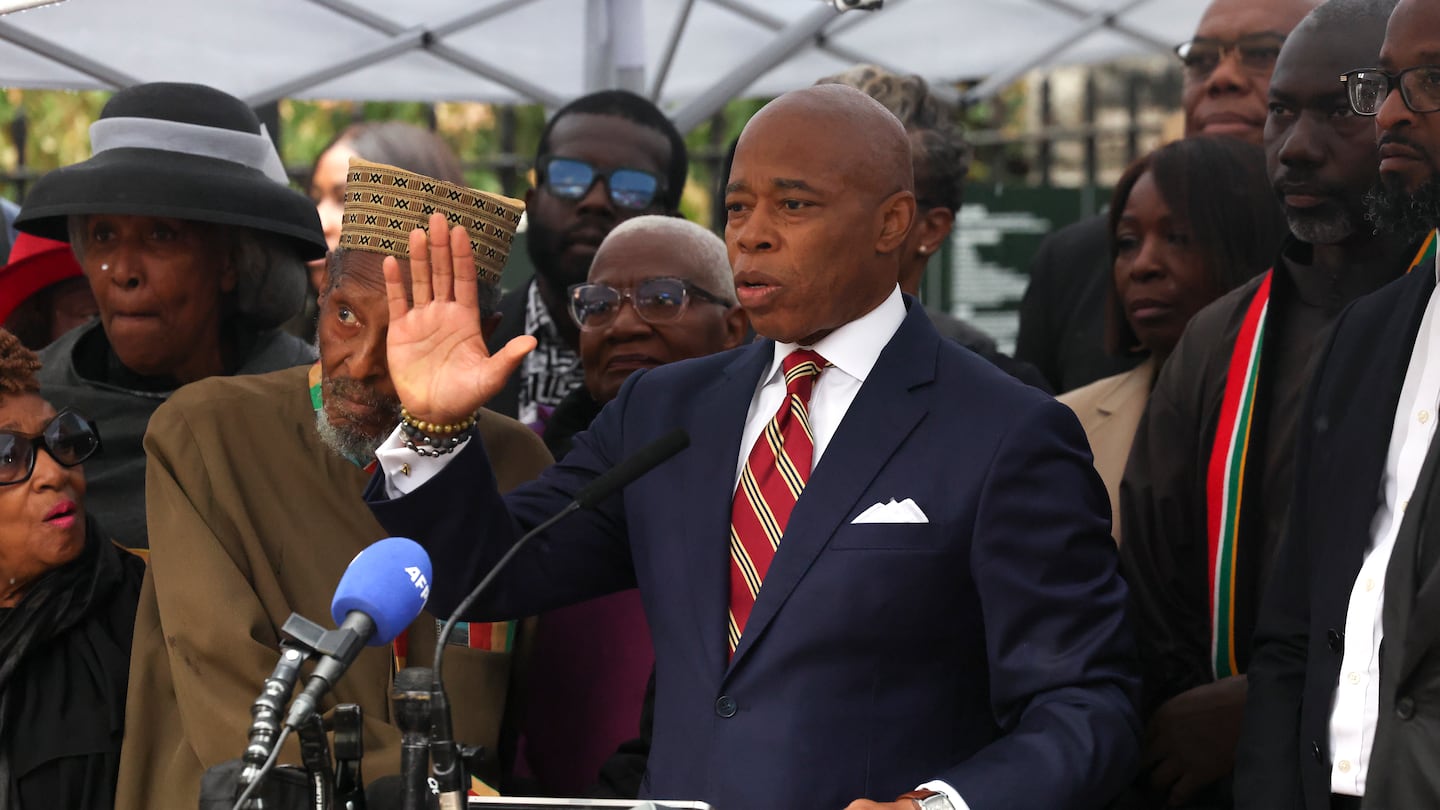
<point>1333,714</point>
<point>930,612</point>
<point>1062,317</point>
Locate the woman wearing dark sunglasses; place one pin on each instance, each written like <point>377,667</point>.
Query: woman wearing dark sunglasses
<point>67,606</point>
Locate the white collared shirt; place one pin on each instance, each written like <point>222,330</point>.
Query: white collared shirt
<point>1357,693</point>
<point>852,351</point>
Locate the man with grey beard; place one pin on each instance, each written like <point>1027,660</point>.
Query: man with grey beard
<point>1207,487</point>
<point>254,497</point>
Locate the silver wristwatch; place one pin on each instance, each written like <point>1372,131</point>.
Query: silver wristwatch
<point>939,801</point>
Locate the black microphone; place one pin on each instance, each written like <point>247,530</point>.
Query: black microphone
<point>642,461</point>
<point>410,696</point>
<point>449,775</point>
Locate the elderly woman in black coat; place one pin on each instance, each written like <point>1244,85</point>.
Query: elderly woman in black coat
<point>67,607</point>
<point>194,246</point>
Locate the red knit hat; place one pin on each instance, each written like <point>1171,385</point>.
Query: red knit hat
<point>35,263</point>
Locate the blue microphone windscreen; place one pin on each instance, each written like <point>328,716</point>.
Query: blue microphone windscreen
<point>389,582</point>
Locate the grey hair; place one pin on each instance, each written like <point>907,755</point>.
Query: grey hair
<point>488,294</point>
<point>702,249</point>
<point>270,276</point>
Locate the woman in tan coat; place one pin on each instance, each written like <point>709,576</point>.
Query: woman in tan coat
<point>1188,223</point>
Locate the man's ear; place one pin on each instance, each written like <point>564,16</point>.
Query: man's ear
<point>488,325</point>
<point>897,217</point>
<point>737,326</point>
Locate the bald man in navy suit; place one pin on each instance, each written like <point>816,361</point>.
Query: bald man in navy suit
<point>937,622</point>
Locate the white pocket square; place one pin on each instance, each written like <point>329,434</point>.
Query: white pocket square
<point>905,511</point>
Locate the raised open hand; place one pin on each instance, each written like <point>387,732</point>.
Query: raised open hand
<point>438,361</point>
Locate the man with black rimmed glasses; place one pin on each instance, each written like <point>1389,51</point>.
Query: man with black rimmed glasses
<point>1227,69</point>
<point>1338,720</point>
<point>1207,486</point>
<point>603,158</point>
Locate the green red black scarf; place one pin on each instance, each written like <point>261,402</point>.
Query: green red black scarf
<point>1225,479</point>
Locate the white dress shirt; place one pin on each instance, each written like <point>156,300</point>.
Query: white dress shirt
<point>852,350</point>
<point>1357,694</point>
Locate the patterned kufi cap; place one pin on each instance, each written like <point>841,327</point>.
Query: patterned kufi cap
<point>383,204</point>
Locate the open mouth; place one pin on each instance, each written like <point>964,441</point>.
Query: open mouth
<point>62,514</point>
<point>754,288</point>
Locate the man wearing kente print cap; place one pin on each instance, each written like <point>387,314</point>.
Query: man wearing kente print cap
<point>255,509</point>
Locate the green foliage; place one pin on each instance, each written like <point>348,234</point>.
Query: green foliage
<point>54,126</point>
<point>496,144</point>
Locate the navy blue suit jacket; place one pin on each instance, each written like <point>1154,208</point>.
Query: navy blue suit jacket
<point>987,647</point>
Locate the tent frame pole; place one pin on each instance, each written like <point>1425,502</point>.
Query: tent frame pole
<point>74,60</point>
<point>1096,20</point>
<point>753,67</point>
<point>405,39</point>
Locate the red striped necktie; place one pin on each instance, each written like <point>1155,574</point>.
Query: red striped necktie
<point>775,473</point>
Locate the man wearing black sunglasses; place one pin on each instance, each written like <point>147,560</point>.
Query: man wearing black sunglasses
<point>1226,71</point>
<point>602,159</point>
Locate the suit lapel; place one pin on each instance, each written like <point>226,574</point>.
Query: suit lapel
<point>1412,569</point>
<point>717,426</point>
<point>1362,456</point>
<point>1401,631</point>
<point>884,412</point>
<point>1407,583</point>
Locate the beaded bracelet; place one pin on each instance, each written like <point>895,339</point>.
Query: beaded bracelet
<point>429,439</point>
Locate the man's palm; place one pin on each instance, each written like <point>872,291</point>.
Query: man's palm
<point>435,349</point>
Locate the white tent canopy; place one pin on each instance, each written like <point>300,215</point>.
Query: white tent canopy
<point>692,55</point>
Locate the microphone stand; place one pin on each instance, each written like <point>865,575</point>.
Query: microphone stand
<point>268,712</point>
<point>446,754</point>
<point>449,768</point>
<point>315,755</point>
<point>349,725</point>
<point>411,698</point>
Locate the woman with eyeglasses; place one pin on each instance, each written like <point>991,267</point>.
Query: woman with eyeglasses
<point>67,606</point>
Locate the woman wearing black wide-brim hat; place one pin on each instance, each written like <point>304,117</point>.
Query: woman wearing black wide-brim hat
<point>194,245</point>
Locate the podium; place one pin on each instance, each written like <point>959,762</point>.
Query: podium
<point>521,803</point>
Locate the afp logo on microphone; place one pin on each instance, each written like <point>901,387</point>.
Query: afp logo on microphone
<point>420,581</point>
